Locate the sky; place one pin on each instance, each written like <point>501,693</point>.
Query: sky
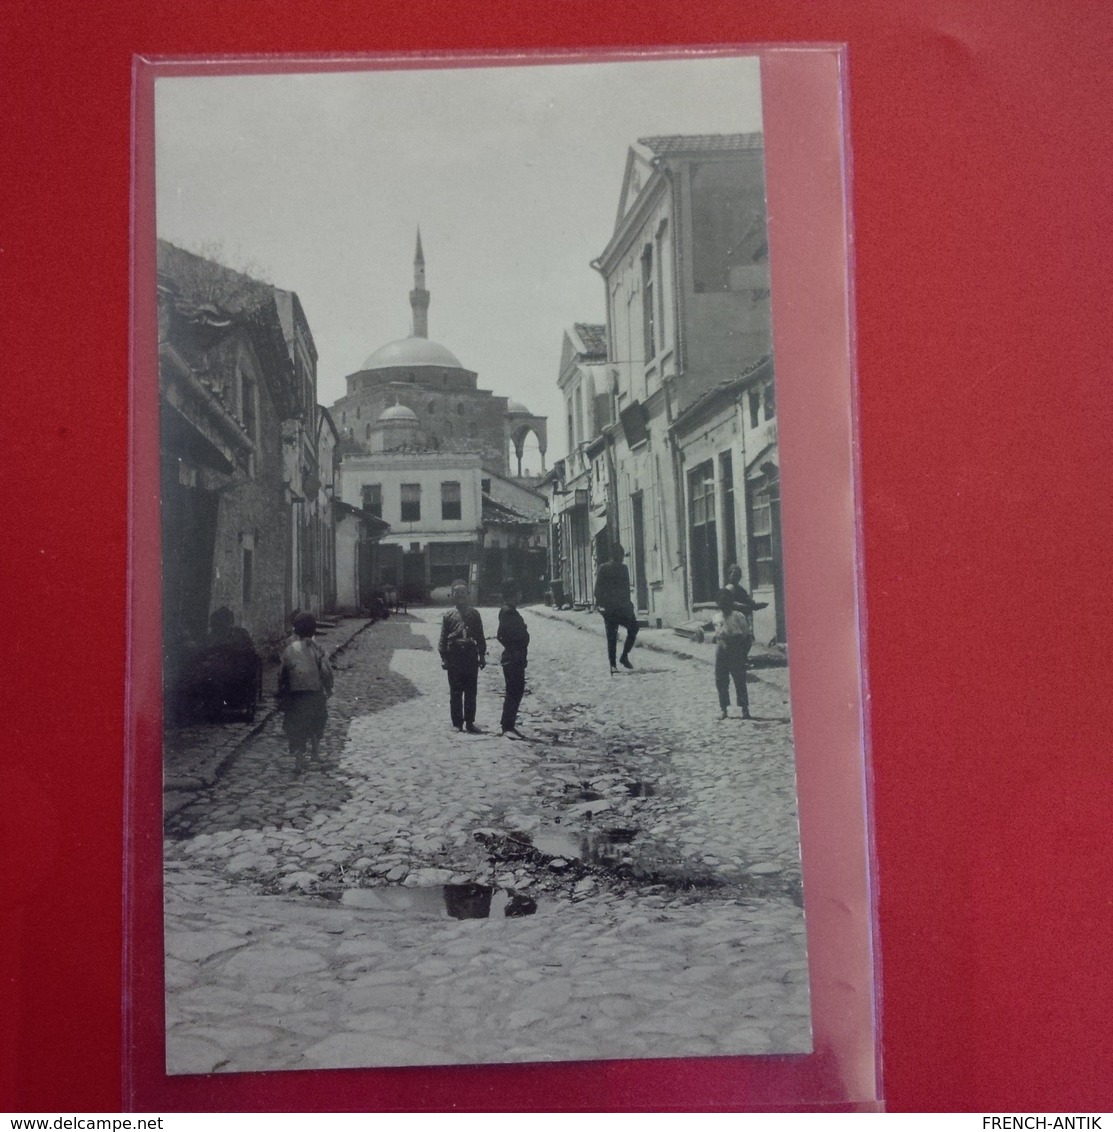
<point>317,183</point>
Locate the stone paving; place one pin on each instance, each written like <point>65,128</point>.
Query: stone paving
<point>639,857</point>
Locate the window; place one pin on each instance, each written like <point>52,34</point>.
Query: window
<point>248,578</point>
<point>247,404</point>
<point>761,538</point>
<point>449,561</point>
<point>768,400</point>
<point>485,485</point>
<point>755,406</point>
<point>367,433</point>
<point>581,432</point>
<point>460,408</point>
<point>662,236</point>
<point>411,502</point>
<point>703,530</point>
<point>372,496</point>
<point>647,303</point>
<point>431,407</point>
<point>450,499</point>
<point>726,480</point>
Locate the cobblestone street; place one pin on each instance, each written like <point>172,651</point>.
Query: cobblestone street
<point>632,871</point>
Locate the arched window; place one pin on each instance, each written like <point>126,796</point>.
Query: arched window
<point>460,408</point>
<point>432,407</point>
<point>368,433</point>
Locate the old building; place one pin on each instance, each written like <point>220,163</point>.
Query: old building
<point>515,538</point>
<point>728,440</point>
<point>449,516</point>
<point>241,486</point>
<point>688,312</point>
<point>453,414</point>
<point>579,485</point>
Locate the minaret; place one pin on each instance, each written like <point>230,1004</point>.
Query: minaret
<point>419,297</point>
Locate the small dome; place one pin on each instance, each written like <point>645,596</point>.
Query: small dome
<point>398,413</point>
<point>412,352</point>
<point>513,406</point>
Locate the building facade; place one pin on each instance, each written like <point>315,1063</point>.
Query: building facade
<point>579,485</point>
<point>449,517</point>
<point>240,483</point>
<point>688,313</point>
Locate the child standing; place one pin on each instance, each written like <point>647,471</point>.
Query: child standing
<point>514,638</point>
<point>304,685</point>
<point>733,640</point>
<point>463,650</point>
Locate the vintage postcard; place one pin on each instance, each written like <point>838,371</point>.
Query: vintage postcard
<point>478,742</point>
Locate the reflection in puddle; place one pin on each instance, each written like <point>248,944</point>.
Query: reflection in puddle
<point>456,901</point>
<point>602,847</point>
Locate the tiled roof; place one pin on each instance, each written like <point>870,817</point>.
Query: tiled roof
<point>723,387</point>
<point>496,512</point>
<point>698,143</point>
<point>594,337</point>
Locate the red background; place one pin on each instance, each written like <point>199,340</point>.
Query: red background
<point>983,166</point>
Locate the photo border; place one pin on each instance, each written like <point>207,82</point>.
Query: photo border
<point>807,171</point>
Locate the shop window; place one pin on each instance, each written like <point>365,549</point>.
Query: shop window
<point>703,532</point>
<point>449,561</point>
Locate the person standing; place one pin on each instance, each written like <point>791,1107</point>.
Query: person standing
<point>514,638</point>
<point>740,598</point>
<point>463,650</point>
<point>304,685</point>
<point>612,597</point>
<point>733,640</point>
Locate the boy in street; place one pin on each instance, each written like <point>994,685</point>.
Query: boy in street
<point>514,638</point>
<point>463,650</point>
<point>304,685</point>
<point>733,640</point>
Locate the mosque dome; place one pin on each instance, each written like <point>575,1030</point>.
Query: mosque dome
<point>398,413</point>
<point>411,353</point>
<point>513,406</point>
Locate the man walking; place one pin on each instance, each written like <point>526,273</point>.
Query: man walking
<point>612,596</point>
<point>514,638</point>
<point>463,650</point>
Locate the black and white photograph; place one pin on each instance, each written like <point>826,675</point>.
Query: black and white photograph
<point>478,743</point>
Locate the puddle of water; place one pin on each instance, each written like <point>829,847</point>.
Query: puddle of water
<point>440,901</point>
<point>596,848</point>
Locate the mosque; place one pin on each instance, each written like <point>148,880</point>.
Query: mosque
<point>415,394</point>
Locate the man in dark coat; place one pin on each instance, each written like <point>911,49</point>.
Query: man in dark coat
<point>514,638</point>
<point>612,597</point>
<point>463,650</point>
